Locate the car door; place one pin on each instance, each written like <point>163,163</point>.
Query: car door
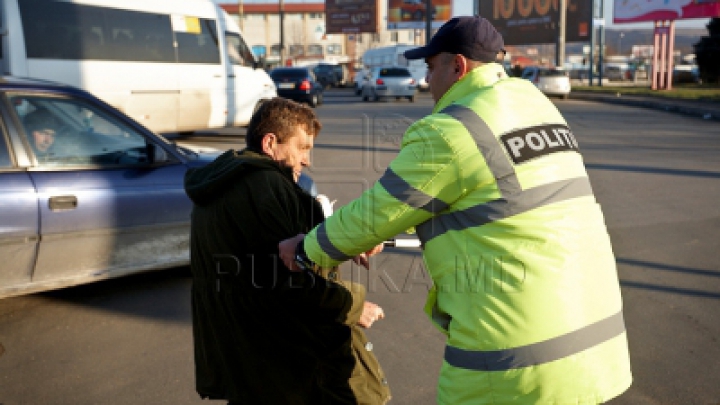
<point>19,220</point>
<point>110,199</point>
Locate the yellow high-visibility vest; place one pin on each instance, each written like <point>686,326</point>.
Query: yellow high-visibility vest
<point>525,283</point>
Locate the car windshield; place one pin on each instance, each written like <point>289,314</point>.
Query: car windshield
<point>552,73</point>
<point>394,72</point>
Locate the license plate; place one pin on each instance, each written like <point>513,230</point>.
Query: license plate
<point>286,86</point>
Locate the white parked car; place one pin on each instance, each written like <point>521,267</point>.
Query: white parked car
<point>389,81</point>
<point>359,79</point>
<point>551,81</point>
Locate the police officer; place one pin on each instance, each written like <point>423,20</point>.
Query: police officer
<point>525,284</point>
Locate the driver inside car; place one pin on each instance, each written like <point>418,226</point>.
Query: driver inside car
<point>42,126</point>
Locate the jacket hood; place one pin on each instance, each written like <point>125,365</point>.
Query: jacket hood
<point>205,183</point>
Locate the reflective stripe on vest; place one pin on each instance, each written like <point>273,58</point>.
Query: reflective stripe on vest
<point>327,246</point>
<point>538,353</point>
<point>513,200</point>
<point>403,191</point>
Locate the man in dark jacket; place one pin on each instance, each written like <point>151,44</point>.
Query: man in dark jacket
<point>264,334</point>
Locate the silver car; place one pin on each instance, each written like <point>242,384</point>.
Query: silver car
<point>389,81</point>
<point>551,81</point>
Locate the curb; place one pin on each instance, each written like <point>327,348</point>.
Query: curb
<point>699,111</point>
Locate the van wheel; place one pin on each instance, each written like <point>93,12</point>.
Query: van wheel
<point>366,98</point>
<point>313,101</point>
<point>320,100</point>
<point>411,99</point>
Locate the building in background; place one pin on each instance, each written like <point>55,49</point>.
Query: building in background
<point>306,41</point>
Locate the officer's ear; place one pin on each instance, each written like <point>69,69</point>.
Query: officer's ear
<point>461,65</point>
<point>269,143</point>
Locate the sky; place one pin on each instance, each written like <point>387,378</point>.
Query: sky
<point>465,7</point>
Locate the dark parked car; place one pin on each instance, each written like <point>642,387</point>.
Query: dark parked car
<point>298,84</point>
<point>86,192</point>
<point>686,73</point>
<point>329,75</point>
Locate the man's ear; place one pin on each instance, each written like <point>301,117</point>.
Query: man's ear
<point>268,143</point>
<point>462,67</point>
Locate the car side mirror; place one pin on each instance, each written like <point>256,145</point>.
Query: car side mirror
<point>156,154</point>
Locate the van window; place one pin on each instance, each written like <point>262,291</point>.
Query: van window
<point>238,51</point>
<point>63,30</point>
<point>198,43</point>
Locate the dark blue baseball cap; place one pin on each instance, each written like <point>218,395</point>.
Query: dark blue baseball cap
<point>473,37</point>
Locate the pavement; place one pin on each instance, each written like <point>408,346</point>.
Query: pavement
<point>707,110</point>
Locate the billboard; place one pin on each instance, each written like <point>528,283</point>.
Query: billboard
<point>529,22</point>
<point>630,11</point>
<point>410,14</point>
<point>351,16</point>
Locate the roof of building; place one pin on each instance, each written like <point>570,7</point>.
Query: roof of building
<point>274,8</point>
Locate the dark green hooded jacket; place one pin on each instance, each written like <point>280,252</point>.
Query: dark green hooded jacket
<point>262,334</point>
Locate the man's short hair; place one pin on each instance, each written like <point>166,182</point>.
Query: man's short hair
<point>39,120</point>
<point>279,116</point>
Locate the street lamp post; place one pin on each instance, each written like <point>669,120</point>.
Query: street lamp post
<point>622,34</point>
<point>240,15</point>
<point>281,16</point>
<point>428,21</point>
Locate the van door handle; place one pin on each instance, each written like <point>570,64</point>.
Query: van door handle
<point>63,203</point>
<point>231,75</point>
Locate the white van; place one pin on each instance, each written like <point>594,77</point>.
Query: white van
<point>173,66</point>
<point>394,56</point>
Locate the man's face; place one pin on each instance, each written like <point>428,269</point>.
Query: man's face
<point>43,138</point>
<point>441,74</point>
<point>295,151</point>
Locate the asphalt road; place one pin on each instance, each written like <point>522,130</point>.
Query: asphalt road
<point>128,341</point>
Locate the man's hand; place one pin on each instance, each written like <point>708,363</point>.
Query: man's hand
<point>287,251</point>
<point>363,258</point>
<point>371,313</point>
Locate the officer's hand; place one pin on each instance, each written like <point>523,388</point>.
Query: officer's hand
<point>371,313</point>
<point>363,258</point>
